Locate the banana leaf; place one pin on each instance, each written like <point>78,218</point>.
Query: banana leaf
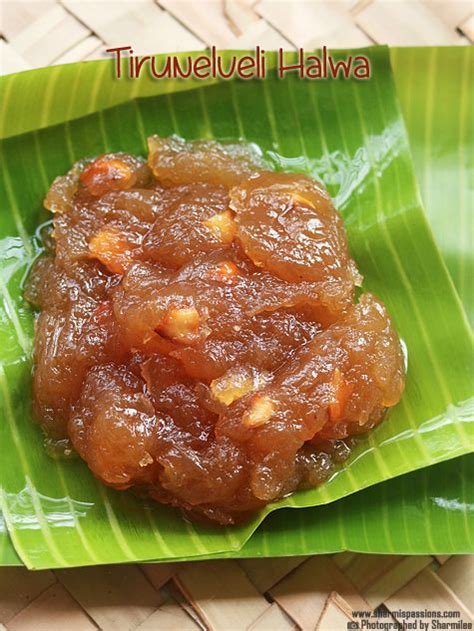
<point>350,135</point>
<point>435,93</point>
<point>435,90</point>
<point>8,555</point>
<point>425,512</point>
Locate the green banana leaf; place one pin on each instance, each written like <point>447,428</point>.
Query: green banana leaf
<point>434,86</point>
<point>349,134</point>
<point>449,483</point>
<point>8,555</point>
<point>435,93</point>
<point>424,512</point>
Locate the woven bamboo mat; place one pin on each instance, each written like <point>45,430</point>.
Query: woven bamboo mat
<point>320,593</point>
<point>37,33</point>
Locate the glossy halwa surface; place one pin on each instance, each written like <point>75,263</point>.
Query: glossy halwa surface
<point>198,337</point>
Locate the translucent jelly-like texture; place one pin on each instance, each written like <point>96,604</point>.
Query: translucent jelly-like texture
<point>198,338</point>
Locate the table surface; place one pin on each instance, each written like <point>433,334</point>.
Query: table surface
<point>304,592</point>
<point>38,33</point>
<point>319,592</point>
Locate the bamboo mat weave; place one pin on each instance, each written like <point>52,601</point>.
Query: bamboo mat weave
<point>319,592</point>
<point>36,33</point>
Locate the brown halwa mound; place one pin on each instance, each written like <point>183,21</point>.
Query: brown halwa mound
<point>198,339</point>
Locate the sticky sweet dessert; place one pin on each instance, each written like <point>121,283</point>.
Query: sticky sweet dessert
<point>198,338</point>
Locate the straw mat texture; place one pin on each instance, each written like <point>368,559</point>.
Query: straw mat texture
<point>319,592</point>
<point>38,33</point>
